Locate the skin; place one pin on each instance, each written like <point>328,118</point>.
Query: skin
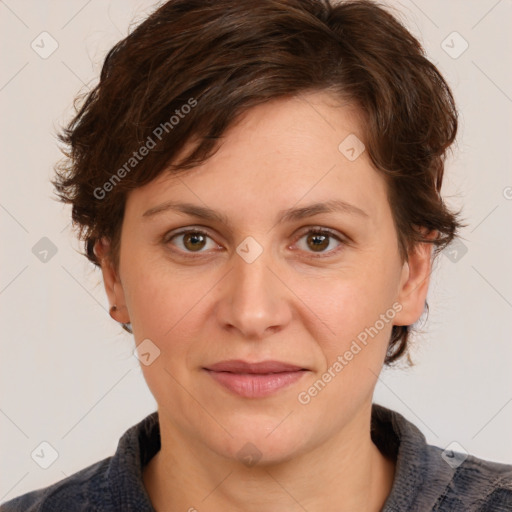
<point>295,303</point>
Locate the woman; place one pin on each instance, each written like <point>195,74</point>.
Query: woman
<point>260,185</point>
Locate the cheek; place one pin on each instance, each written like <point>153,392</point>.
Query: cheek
<point>158,294</point>
<point>167,303</point>
<point>167,309</point>
<point>357,307</point>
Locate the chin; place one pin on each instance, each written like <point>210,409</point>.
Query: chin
<point>262,442</point>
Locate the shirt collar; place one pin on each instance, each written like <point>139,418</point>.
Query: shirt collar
<point>416,462</point>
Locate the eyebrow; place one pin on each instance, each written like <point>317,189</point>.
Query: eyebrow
<point>288,215</point>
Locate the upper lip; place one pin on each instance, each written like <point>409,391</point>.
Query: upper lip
<point>240,366</point>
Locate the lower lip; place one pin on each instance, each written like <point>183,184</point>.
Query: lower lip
<point>254,385</point>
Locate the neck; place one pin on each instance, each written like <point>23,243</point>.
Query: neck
<point>347,472</point>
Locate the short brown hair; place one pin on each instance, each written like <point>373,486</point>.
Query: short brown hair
<point>205,62</point>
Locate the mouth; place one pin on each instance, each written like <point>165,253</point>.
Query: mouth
<point>255,380</point>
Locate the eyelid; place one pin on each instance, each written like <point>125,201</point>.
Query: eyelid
<point>341,238</point>
<point>168,236</point>
<point>188,229</point>
<point>322,229</point>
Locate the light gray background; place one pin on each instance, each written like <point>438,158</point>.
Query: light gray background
<point>68,376</point>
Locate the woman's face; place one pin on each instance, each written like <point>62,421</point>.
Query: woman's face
<point>280,248</point>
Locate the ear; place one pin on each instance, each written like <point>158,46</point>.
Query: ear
<point>414,283</point>
<point>113,285</point>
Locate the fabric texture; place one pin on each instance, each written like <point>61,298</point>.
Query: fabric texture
<point>425,478</point>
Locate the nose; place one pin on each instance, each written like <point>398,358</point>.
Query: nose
<point>254,301</point>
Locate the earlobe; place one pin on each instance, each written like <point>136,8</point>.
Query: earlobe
<point>414,284</point>
<point>113,286</point>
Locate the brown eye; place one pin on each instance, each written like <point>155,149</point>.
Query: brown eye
<point>194,241</point>
<point>319,241</point>
<point>191,241</point>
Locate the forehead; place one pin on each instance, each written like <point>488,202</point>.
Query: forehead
<point>298,150</point>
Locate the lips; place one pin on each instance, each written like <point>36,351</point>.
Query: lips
<point>255,380</point>
<point>239,366</point>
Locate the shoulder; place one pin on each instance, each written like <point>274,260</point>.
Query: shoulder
<point>475,485</point>
<point>114,483</point>
<point>428,477</point>
<point>81,491</point>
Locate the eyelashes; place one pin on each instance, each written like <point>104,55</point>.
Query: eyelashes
<point>196,242</point>
<point>321,235</point>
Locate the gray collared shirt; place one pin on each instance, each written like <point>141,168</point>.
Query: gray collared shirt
<point>426,479</point>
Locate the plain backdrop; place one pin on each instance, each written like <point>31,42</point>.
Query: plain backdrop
<point>68,375</point>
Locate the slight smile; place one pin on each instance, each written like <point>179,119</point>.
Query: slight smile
<point>255,380</point>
